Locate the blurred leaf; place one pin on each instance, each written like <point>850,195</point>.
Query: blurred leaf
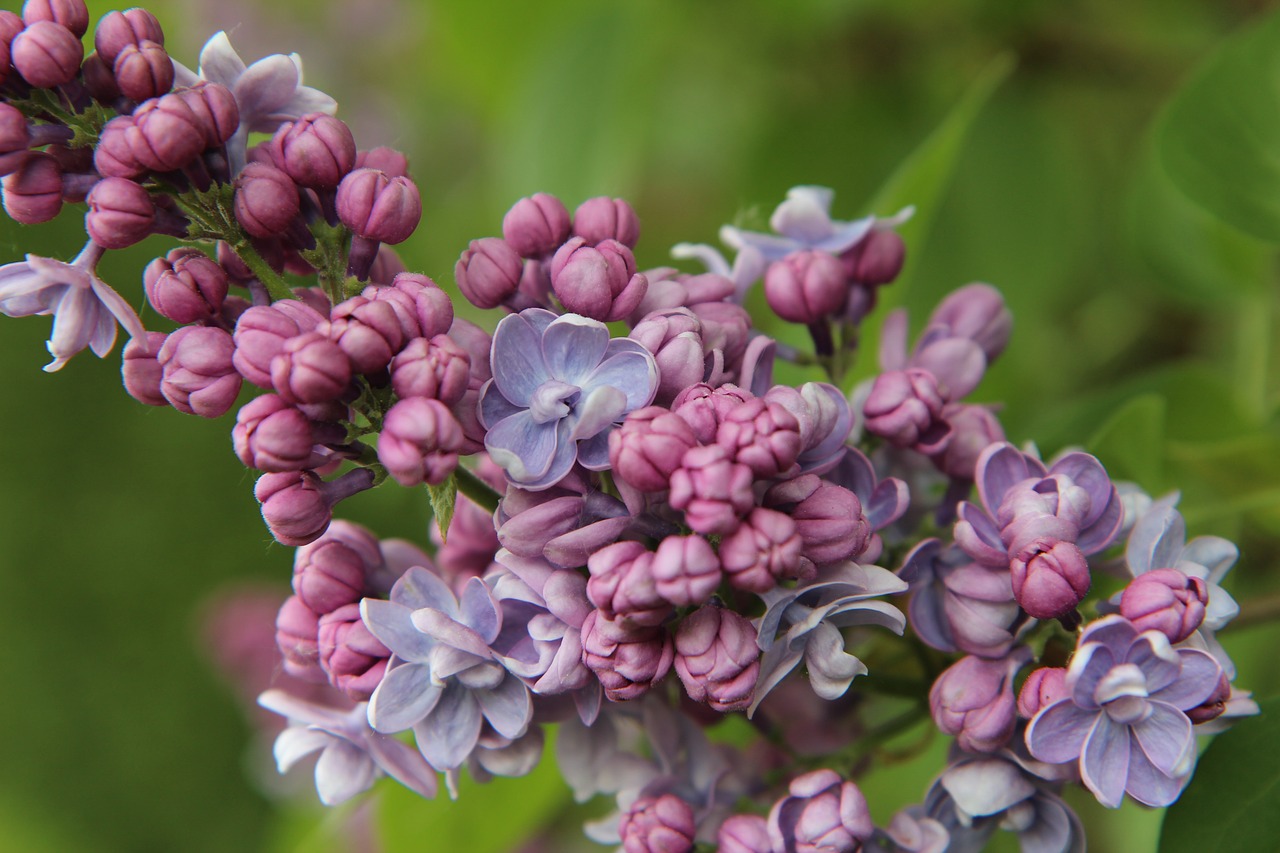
<point>1233,801</point>
<point>1220,139</point>
<point>1131,442</point>
<point>444,498</point>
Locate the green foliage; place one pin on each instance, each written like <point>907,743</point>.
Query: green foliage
<point>1131,442</point>
<point>444,498</point>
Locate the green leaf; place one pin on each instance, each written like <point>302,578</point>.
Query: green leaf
<point>1233,802</point>
<point>1220,136</point>
<point>443,499</point>
<point>1131,443</point>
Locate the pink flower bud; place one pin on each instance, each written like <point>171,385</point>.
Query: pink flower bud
<point>599,219</point>
<point>266,200</point>
<point>875,259</point>
<point>806,286</point>
<point>113,156</point>
<point>353,658</point>
<point>185,285</point>
<point>712,490</point>
<point>765,550</point>
<point>973,430</point>
<point>973,700</point>
<point>317,151</point>
<point>116,30</point>
<point>675,339</point>
<point>72,14</point>
<point>627,662</point>
<point>977,312</point>
<point>15,137</point>
<point>436,368</point>
<point>828,517</point>
<point>744,833</point>
<point>46,54</point>
<point>141,369</point>
<point>431,307</point>
<point>261,332</point>
<point>599,281</point>
<point>199,378</point>
<point>419,442</point>
<point>1049,578</point>
<point>272,435</point>
<point>120,213</point>
<point>99,79</point>
<point>143,71</point>
<point>662,824</point>
<point>296,630</point>
<point>378,207</point>
<point>761,435</point>
<point>905,408</point>
<point>166,134</point>
<point>1043,687</point>
<point>822,813</point>
<point>648,447</point>
<point>368,331</point>
<point>703,407</point>
<point>536,226</point>
<point>1165,600</point>
<point>622,585</point>
<point>1215,705</point>
<point>294,505</point>
<point>717,658</point>
<point>33,191</point>
<point>384,159</point>
<point>488,273</point>
<point>215,110</point>
<point>310,368</point>
<point>685,570</point>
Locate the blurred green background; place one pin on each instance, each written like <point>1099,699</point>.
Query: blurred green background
<point>1144,330</point>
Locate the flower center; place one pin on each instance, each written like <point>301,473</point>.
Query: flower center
<point>553,401</point>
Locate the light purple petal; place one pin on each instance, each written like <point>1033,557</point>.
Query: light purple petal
<point>831,669</point>
<point>449,734</point>
<point>846,235</point>
<point>296,743</point>
<point>893,341</point>
<point>518,367</point>
<point>305,100</point>
<point>1087,473</point>
<point>524,448</point>
<point>1104,766</point>
<point>1159,662</point>
<point>74,320</point>
<point>770,247</point>
<point>805,215</point>
<point>775,665</point>
<point>1149,786</point>
<point>888,502</point>
<point>404,764</point>
<point>1091,663</point>
<point>119,308</point>
<point>420,587</point>
<point>342,772</point>
<point>1000,467</point>
<point>1102,531</point>
<point>633,373</point>
<point>508,707</point>
<point>1196,681</point>
<point>1165,736</point>
<point>493,406</point>
<point>566,453</point>
<point>1157,538</point>
<point>1057,734</point>
<point>264,87</point>
<point>219,62</point>
<point>1056,830</point>
<point>403,697</point>
<point>393,625</point>
<point>1216,554</point>
<point>480,611</point>
<point>601,408</point>
<point>986,786</point>
<point>446,631</point>
<point>573,346</point>
<point>593,453</point>
<point>958,364</point>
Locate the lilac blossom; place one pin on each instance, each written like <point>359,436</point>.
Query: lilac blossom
<point>803,222</point>
<point>352,755</point>
<point>85,309</point>
<point>559,387</point>
<point>821,814</point>
<point>1125,720</point>
<point>445,681</point>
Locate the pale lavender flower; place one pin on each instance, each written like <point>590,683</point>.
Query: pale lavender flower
<point>352,756</point>
<point>269,92</point>
<point>747,266</point>
<point>85,309</point>
<point>804,222</point>
<point>1125,720</point>
<point>559,387</point>
<point>911,831</point>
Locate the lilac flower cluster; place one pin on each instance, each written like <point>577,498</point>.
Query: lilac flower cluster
<point>648,532</point>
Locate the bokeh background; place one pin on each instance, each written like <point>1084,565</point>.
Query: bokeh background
<point>1143,330</point>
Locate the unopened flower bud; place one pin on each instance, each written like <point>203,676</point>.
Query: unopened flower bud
<point>744,833</point>
<point>72,14</point>
<point>368,331</point>
<point>977,312</point>
<point>33,191</point>
<point>805,286</point>
<point>272,435</point>
<point>215,110</point>
<point>310,368</point>
<point>113,156</point>
<point>121,213</point>
<point>622,585</point>
<point>905,408</point>
<point>829,518</point>
<point>488,273</point>
<point>166,134</point>
<point>1165,600</point>
<point>350,655</point>
<point>627,662</point>
<point>432,307</point>
<point>336,569</point>
<point>973,700</point>
<point>1215,705</point>
<point>536,226</point>
<point>717,658</point>
<point>648,447</point>
<point>761,435</point>
<point>599,219</point>
<point>378,207</point>
<point>822,813</point>
<point>436,368</point>
<point>298,506</point>
<point>99,79</point>
<point>116,30</point>
<point>703,407</point>
<point>317,151</point>
<point>419,442</point>
<point>199,378</point>
<point>765,550</point>
<point>875,259</point>
<point>384,159</point>
<point>1043,687</point>
<point>266,200</point>
<point>712,490</point>
<point>261,332</point>
<point>46,54</point>
<point>662,824</point>
<point>675,339</point>
<point>1049,578</point>
<point>685,570</point>
<point>141,370</point>
<point>185,285</point>
<point>297,627</point>
<point>598,281</point>
<point>143,71</point>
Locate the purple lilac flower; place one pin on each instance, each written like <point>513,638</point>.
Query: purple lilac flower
<point>662,824</point>
<point>973,700</point>
<point>85,309</point>
<point>883,501</point>
<point>804,222</point>
<point>821,814</point>
<point>352,756</point>
<point>911,831</point>
<point>445,680</point>
<point>559,387</point>
<point>1125,719</point>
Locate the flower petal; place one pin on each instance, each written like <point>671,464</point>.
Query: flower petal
<point>219,62</point>
<point>342,772</point>
<point>265,86</point>
<point>1195,683</point>
<point>392,624</point>
<point>573,346</point>
<point>1057,734</point>
<point>523,448</point>
<point>600,409</point>
<point>449,734</point>
<point>516,357</point>
<point>1104,765</point>
<point>296,743</point>
<point>508,707</point>
<point>831,669</point>
<point>1157,537</point>
<point>404,764</point>
<point>1148,785</point>
<point>635,374</point>
<point>404,696</point>
<point>1165,736</point>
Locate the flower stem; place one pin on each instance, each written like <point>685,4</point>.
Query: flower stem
<point>476,489</point>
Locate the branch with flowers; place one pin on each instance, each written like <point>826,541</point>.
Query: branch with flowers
<point>640,533</point>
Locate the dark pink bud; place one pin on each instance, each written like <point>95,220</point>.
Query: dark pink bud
<point>977,312</point>
<point>33,191</point>
<point>99,79</point>
<point>876,259</point>
<point>297,627</point>
<point>905,407</point>
<point>166,133</point>
<point>1043,687</point>
<point>436,368</point>
<point>215,111</point>
<point>675,339</point>
<point>113,157</point>
<point>143,71</point>
<point>271,435</point>
<point>744,833</point>
<point>488,273</point>
<point>973,700</point>
<point>266,200</point>
<point>353,658</point>
<point>117,30</point>
<point>1215,705</point>
<point>419,442</point>
<point>336,569</point>
<point>761,435</point>
<point>685,570</point>
<point>1165,600</point>
<point>384,159</point>
<point>427,308</point>
<point>828,517</point>
<point>10,26</point>
<point>120,213</point>
<point>6,64</point>
<point>1049,578</point>
<point>378,207</point>
<point>805,287</point>
<point>662,824</point>
<point>46,54</point>
<point>317,150</point>
<point>298,506</point>
<point>717,658</point>
<point>310,368</point>
<point>766,549</point>
<point>185,285</point>
<point>368,331</point>
<point>537,225</point>
<point>712,490</point>
<point>72,14</point>
<point>973,430</point>
<point>622,585</point>
<point>199,378</point>
<point>703,407</point>
<point>648,447</point>
<point>15,137</point>
<point>141,369</point>
<point>822,813</point>
<point>598,281</point>
<point>261,332</point>
<point>628,662</point>
<point>599,219</point>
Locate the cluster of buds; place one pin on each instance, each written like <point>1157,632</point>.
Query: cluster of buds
<point>634,534</point>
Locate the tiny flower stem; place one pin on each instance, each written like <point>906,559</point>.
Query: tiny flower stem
<point>476,489</point>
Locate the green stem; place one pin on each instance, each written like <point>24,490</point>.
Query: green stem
<point>476,489</point>
<point>273,281</point>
